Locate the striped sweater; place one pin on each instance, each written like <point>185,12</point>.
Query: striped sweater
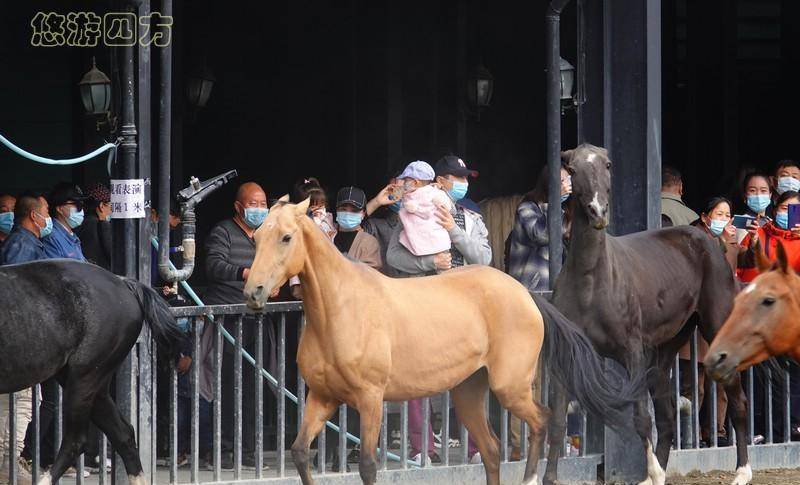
<point>228,252</point>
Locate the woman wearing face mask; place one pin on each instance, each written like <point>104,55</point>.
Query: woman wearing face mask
<point>66,208</point>
<point>351,239</point>
<point>769,234</point>
<point>95,232</point>
<point>715,221</point>
<point>757,195</point>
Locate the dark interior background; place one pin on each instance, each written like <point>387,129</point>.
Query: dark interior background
<point>349,91</point>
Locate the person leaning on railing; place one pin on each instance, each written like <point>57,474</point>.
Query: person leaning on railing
<point>230,251</point>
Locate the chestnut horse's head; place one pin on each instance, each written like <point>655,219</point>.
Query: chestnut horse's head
<point>590,169</point>
<point>280,251</point>
<point>764,321</point>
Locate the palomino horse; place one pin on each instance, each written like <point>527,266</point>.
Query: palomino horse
<point>763,322</point>
<point>633,295</point>
<point>371,338</point>
<point>76,322</point>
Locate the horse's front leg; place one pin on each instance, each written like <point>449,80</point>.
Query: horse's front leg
<point>370,409</point>
<point>318,410</point>
<point>737,407</point>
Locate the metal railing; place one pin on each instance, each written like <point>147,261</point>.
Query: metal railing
<point>271,429</point>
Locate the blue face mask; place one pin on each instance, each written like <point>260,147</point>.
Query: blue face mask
<point>396,206</point>
<point>782,220</point>
<point>48,225</point>
<point>717,226</point>
<point>458,190</point>
<point>348,220</point>
<point>788,183</point>
<point>75,217</point>
<point>183,323</point>
<point>564,198</point>
<point>758,203</point>
<point>254,216</point>
<point>6,222</point>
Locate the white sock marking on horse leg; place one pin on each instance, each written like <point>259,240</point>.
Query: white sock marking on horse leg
<point>45,480</point>
<point>533,481</point>
<point>137,479</point>
<point>743,475</point>
<point>655,474</point>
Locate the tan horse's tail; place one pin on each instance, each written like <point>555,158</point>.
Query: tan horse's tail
<point>574,362</point>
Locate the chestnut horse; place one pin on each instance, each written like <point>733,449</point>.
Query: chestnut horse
<point>371,338</point>
<point>763,322</point>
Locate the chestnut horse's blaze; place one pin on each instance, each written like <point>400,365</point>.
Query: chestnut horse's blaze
<point>371,338</point>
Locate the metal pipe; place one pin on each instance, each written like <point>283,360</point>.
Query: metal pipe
<point>553,49</point>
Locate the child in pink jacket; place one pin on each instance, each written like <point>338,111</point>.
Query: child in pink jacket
<point>422,234</point>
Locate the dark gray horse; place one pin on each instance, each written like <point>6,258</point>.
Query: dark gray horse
<point>633,296</point>
<point>76,322</point>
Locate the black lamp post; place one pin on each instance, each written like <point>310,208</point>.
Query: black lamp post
<point>199,86</point>
<point>95,88</point>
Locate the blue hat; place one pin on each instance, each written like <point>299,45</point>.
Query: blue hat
<point>418,170</point>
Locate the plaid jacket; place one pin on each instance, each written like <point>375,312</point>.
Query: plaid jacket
<point>528,255</point>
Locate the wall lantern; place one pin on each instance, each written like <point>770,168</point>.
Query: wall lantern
<point>480,87</point>
<point>95,88</point>
<point>199,86</point>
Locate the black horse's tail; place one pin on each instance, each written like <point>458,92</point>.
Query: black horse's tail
<point>167,333</point>
<point>574,362</point>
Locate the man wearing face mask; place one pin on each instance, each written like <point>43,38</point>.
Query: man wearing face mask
<point>351,239</point>
<point>7,203</point>
<point>230,251</point>
<point>787,177</point>
<point>22,245</point>
<point>66,202</point>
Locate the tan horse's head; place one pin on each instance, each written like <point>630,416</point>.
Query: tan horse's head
<point>763,322</point>
<point>280,251</point>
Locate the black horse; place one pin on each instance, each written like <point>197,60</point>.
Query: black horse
<point>633,296</point>
<point>77,322</point>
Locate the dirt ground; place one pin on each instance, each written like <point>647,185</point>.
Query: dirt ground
<point>762,477</point>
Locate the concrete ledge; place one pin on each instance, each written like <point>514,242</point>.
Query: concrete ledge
<point>574,471</point>
<point>782,455</point>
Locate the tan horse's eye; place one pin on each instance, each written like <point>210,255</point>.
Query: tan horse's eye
<point>768,301</point>
<point>287,238</point>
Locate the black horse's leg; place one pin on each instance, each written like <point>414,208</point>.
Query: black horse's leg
<point>663,397</point>
<point>107,417</point>
<point>557,430</point>
<point>643,421</point>
<point>78,398</point>
<point>737,407</point>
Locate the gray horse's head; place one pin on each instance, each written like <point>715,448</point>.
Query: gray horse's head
<point>590,169</point>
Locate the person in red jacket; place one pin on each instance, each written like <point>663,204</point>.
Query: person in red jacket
<point>769,234</point>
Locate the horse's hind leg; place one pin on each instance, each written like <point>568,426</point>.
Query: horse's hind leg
<point>469,399</point>
<point>557,429</point>
<point>737,409</point>
<point>517,397</point>
<point>108,418</point>
<point>78,398</point>
<point>318,410</point>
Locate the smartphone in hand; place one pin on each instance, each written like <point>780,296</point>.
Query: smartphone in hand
<point>794,215</point>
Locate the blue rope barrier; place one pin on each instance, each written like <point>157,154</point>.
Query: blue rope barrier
<point>69,161</point>
<point>249,358</point>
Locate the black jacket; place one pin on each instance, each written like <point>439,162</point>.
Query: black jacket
<point>95,236</point>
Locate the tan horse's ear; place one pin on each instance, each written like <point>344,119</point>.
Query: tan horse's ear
<point>783,261</point>
<point>284,199</point>
<point>302,208</point>
<point>762,263</point>
<point>566,155</point>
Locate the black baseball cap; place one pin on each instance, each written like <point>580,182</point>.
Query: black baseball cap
<point>452,165</point>
<point>351,195</point>
<point>65,193</point>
